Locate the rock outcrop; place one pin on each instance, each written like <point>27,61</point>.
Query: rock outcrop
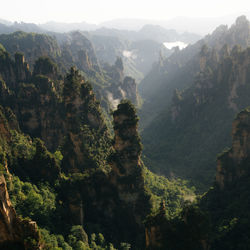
<point>120,204</point>
<point>122,87</point>
<point>126,164</point>
<point>231,165</point>
<point>83,121</point>
<point>15,233</point>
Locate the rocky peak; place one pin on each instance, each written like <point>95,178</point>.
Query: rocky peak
<point>22,68</point>
<point>126,165</point>
<point>127,142</point>
<point>84,61</point>
<point>83,119</point>
<point>232,164</point>
<point>129,87</point>
<point>116,71</point>
<point>82,52</point>
<point>45,66</point>
<point>122,87</point>
<point>242,20</point>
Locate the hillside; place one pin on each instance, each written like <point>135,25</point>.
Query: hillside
<point>183,139</point>
<point>179,70</point>
<point>63,169</point>
<point>220,218</point>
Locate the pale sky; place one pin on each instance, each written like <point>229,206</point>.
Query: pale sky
<point>96,11</point>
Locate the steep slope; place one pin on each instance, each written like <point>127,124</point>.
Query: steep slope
<point>228,201</point>
<point>120,204</point>
<point>138,56</point>
<point>67,116</point>
<point>179,70</point>
<point>197,124</point>
<point>220,219</point>
<point>15,233</point>
<point>32,45</point>
<point>65,50</point>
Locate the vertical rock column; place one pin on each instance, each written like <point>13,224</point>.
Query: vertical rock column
<point>127,172</point>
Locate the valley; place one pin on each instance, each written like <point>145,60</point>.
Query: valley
<point>124,139</point>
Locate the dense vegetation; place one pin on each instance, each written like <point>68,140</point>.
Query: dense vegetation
<point>56,152</point>
<point>184,138</point>
<point>87,190</point>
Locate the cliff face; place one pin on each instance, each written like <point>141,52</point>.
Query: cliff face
<point>231,165</point>
<point>43,52</point>
<point>32,45</point>
<point>227,202</point>
<point>205,110</point>
<point>221,216</point>
<point>15,232</point>
<point>122,87</point>
<point>120,204</point>
<point>127,168</point>
<point>84,125</point>
<point>126,165</point>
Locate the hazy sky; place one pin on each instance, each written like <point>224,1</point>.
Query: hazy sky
<point>96,11</point>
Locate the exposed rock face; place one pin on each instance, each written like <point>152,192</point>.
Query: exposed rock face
<point>45,66</point>
<point>22,68</point>
<point>129,86</point>
<point>205,110</point>
<point>83,119</point>
<point>122,87</point>
<point>127,172</point>
<point>231,164</point>
<point>14,232</point>
<point>32,45</point>
<point>79,50</point>
<point>120,204</point>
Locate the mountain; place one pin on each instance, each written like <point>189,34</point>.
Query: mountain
<point>178,71</point>
<point>185,134</point>
<point>197,25</point>
<point>62,167</point>
<point>73,173</point>
<point>138,56</point>
<point>67,27</point>
<point>67,50</point>
<point>220,218</point>
<point>149,32</point>
<point>110,43</point>
<point>6,27</point>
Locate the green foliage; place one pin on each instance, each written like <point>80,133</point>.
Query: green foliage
<point>45,66</point>
<point>185,136</point>
<point>32,161</point>
<point>21,146</point>
<point>79,233</point>
<point>37,203</point>
<point>31,44</point>
<point>53,241</point>
<point>174,192</point>
<point>72,84</point>
<point>229,212</point>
